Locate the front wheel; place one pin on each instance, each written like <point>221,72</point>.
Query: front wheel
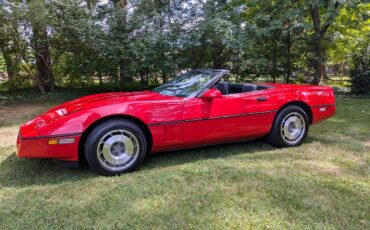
<point>290,127</point>
<point>115,146</point>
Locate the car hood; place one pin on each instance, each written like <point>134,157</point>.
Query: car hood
<point>115,97</point>
<point>32,127</point>
<point>97,100</point>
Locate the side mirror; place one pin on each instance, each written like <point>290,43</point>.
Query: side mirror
<point>212,93</point>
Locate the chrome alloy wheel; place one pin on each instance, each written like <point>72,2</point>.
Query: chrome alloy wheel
<point>293,128</point>
<point>117,150</point>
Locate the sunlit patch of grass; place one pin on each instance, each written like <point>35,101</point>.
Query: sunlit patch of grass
<point>322,184</point>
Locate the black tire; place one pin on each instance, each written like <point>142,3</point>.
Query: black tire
<point>105,130</point>
<point>277,137</point>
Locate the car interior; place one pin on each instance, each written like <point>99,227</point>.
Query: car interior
<point>232,88</point>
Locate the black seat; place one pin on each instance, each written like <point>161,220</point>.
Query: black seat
<point>235,88</point>
<point>249,88</point>
<point>223,87</point>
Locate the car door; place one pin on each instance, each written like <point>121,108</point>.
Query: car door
<point>227,118</point>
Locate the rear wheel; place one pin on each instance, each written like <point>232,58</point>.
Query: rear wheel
<point>290,127</point>
<point>115,146</point>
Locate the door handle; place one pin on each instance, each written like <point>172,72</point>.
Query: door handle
<point>259,99</point>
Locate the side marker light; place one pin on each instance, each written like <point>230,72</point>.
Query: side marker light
<point>61,141</point>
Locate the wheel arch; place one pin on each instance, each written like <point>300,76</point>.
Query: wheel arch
<point>300,104</point>
<point>275,140</point>
<point>137,121</point>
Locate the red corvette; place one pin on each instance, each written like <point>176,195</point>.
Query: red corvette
<point>114,131</point>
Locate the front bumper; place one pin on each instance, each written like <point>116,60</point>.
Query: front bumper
<point>41,147</point>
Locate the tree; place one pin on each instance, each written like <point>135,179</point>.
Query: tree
<point>37,16</point>
<point>9,41</point>
<point>320,28</point>
<point>121,30</point>
<point>360,71</point>
<point>130,43</point>
<point>276,31</point>
<point>350,29</point>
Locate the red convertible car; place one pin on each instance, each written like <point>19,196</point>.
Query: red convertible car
<point>115,131</point>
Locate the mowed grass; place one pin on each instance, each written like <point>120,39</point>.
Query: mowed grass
<point>323,184</point>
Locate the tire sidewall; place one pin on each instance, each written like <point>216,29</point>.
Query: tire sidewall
<point>279,119</point>
<point>102,129</point>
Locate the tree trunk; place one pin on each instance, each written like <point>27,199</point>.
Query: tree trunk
<point>10,65</point>
<point>274,63</point>
<point>288,68</point>
<point>45,77</point>
<point>100,79</point>
<point>122,76</point>
<point>217,50</point>
<point>317,63</point>
<point>9,47</point>
<point>274,69</point>
<point>164,76</point>
<point>319,32</point>
<point>122,6</point>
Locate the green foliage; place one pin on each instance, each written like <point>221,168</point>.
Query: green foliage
<point>360,72</point>
<point>150,41</point>
<point>2,65</point>
<point>351,27</point>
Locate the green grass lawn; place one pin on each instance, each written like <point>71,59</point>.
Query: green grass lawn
<point>323,184</point>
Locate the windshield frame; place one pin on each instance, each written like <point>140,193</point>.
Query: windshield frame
<point>219,73</point>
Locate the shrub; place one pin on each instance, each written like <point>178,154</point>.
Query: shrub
<point>360,71</point>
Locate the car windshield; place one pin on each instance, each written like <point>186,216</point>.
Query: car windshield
<point>187,84</point>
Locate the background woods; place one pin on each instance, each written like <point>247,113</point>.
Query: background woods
<point>135,44</point>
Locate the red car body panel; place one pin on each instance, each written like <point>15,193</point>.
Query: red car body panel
<point>173,122</point>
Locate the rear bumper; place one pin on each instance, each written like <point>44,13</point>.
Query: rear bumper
<point>322,112</point>
<point>39,147</point>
